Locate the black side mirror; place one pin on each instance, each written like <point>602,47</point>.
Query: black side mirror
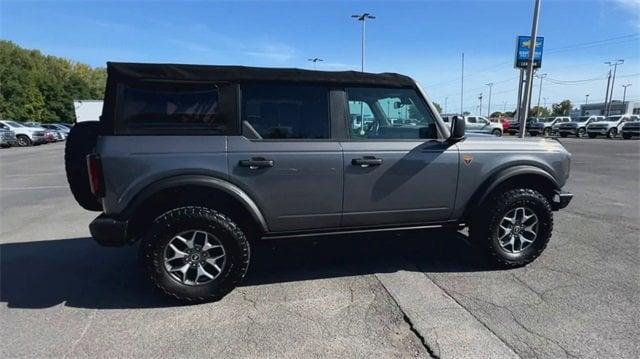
<point>457,128</point>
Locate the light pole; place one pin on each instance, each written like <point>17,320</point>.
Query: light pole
<point>624,94</point>
<point>315,61</point>
<point>613,81</point>
<point>532,51</point>
<point>363,18</point>
<point>490,84</point>
<point>480,98</point>
<point>586,99</point>
<point>541,77</point>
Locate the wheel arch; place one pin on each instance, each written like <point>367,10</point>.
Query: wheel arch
<point>215,193</point>
<point>529,176</point>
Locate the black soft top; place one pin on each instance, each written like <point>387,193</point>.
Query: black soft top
<point>125,72</point>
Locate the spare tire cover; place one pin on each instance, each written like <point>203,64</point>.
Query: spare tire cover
<point>81,142</point>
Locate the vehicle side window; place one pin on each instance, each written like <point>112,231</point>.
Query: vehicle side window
<point>388,113</point>
<point>147,106</point>
<point>471,119</point>
<point>286,111</point>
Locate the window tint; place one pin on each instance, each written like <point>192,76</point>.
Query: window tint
<point>380,113</point>
<point>471,119</point>
<point>170,105</point>
<point>286,112</point>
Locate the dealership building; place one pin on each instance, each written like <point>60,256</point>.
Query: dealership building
<point>617,108</point>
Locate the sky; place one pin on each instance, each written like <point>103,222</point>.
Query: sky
<point>423,39</point>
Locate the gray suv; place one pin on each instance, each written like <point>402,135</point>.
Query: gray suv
<point>200,162</point>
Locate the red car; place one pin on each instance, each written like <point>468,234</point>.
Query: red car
<point>504,121</point>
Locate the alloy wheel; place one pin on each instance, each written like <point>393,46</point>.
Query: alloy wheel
<point>518,229</point>
<point>194,257</point>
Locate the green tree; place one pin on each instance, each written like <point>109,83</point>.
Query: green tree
<point>539,111</point>
<point>562,109</point>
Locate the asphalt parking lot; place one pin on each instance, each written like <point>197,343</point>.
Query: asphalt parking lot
<point>415,294</point>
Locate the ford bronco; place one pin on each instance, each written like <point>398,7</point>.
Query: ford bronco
<point>199,162</point>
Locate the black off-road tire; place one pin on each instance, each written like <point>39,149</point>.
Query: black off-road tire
<point>612,133</point>
<point>484,228</point>
<point>168,225</point>
<point>81,142</point>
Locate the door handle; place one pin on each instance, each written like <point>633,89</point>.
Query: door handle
<point>366,161</point>
<point>256,162</point>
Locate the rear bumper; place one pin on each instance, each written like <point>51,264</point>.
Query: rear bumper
<point>109,232</point>
<point>561,199</point>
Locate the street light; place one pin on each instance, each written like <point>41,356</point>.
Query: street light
<point>480,98</point>
<point>490,84</point>
<point>315,61</point>
<point>541,77</point>
<point>586,99</point>
<point>364,17</point>
<point>624,95</point>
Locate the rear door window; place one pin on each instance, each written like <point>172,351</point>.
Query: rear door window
<point>273,111</point>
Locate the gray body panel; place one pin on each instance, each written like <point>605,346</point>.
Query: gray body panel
<point>415,183</point>
<point>303,190</point>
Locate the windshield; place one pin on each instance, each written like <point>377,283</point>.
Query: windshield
<point>612,119</point>
<point>14,124</point>
<point>580,119</point>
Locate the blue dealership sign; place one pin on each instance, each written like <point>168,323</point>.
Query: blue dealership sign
<point>523,45</point>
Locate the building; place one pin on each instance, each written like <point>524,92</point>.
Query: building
<point>617,108</point>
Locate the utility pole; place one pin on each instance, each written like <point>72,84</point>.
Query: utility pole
<point>613,81</point>
<point>363,18</point>
<point>541,77</point>
<point>606,95</point>
<point>532,53</point>
<point>480,98</point>
<point>462,88</point>
<point>490,84</point>
<point>315,61</point>
<point>624,94</point>
<point>586,99</point>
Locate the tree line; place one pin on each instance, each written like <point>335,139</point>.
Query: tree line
<point>38,87</point>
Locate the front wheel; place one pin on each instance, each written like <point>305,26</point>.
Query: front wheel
<point>195,254</point>
<point>612,133</point>
<point>24,141</point>
<point>497,133</point>
<point>546,132</point>
<point>515,228</point>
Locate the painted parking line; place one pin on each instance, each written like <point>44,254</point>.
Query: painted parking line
<point>35,174</point>
<point>31,188</point>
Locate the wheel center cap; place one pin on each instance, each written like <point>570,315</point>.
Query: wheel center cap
<point>516,229</point>
<point>195,257</point>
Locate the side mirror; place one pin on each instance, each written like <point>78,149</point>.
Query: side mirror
<point>458,127</point>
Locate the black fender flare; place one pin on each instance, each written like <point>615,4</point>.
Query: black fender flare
<point>505,174</point>
<point>201,181</point>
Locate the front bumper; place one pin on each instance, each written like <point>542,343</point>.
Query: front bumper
<point>561,199</point>
<point>109,232</point>
<point>632,132</point>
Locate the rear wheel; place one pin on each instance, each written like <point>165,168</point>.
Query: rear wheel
<point>546,132</point>
<point>514,228</point>
<point>24,141</point>
<point>195,254</point>
<point>496,133</point>
<point>612,133</point>
<point>581,132</point>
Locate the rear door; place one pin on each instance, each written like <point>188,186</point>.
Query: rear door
<point>396,174</point>
<point>285,158</point>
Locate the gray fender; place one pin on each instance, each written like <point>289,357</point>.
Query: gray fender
<point>202,181</point>
<point>502,175</point>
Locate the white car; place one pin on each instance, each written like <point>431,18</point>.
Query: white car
<point>26,135</point>
<point>609,126</point>
<point>477,124</point>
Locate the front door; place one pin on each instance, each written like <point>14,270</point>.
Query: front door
<point>285,159</point>
<point>396,173</point>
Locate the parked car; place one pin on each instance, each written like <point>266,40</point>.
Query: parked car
<point>60,131</point>
<point>578,126</point>
<point>544,126</point>
<point>609,126</point>
<point>25,135</point>
<point>556,125</point>
<point>504,122</point>
<point>631,128</point>
<point>280,162</point>
<point>7,137</point>
<point>477,124</point>
<point>49,135</point>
